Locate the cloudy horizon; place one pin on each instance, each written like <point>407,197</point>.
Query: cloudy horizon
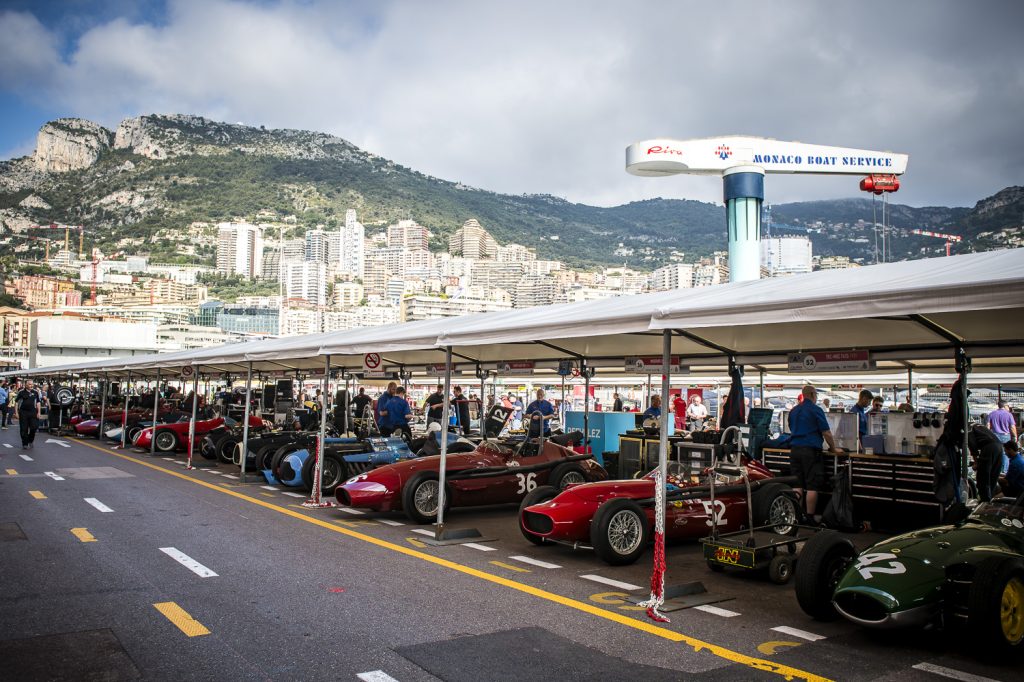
<point>542,98</point>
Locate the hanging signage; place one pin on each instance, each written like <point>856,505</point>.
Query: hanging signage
<point>831,361</point>
<point>373,366</point>
<point>390,376</point>
<point>188,371</point>
<point>437,370</point>
<point>516,367</point>
<point>651,364</point>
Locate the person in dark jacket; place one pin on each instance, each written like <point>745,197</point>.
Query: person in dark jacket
<point>987,452</point>
<point>30,406</point>
<point>461,403</point>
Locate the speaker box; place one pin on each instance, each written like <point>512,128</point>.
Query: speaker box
<point>285,389</point>
<point>269,396</point>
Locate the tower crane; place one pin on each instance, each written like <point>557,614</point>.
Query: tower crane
<point>67,236</point>
<point>34,238</point>
<point>950,238</point>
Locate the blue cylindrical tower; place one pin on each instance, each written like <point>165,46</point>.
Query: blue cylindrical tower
<point>744,194</point>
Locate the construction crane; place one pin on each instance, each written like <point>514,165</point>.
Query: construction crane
<point>95,268</point>
<point>34,238</point>
<point>950,238</point>
<point>67,236</point>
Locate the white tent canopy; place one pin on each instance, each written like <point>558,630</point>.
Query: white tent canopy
<point>908,314</point>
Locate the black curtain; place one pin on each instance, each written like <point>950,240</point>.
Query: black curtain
<point>734,411</point>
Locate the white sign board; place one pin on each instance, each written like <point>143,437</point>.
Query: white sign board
<point>516,367</point>
<point>437,370</point>
<point>651,364</point>
<point>188,371</point>
<point>831,361</point>
<point>373,366</point>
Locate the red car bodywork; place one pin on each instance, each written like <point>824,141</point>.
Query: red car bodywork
<point>567,517</point>
<point>203,426</point>
<point>90,425</point>
<point>381,488</point>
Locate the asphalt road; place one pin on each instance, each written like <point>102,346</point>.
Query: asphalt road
<point>122,566</point>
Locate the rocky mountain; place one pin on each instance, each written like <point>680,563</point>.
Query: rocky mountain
<point>151,184</point>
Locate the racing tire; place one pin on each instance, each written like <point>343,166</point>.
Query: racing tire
<point>280,454</point>
<point>264,456</point>
<point>133,433</point>
<point>822,562</point>
<point>541,493</point>
<point>207,449</point>
<point>65,396</point>
<point>419,497</point>
<point>780,569</point>
<point>165,440</point>
<point>774,506</point>
<point>620,532</point>
<point>566,474</point>
<point>995,608</point>
<point>331,475</point>
<point>226,449</point>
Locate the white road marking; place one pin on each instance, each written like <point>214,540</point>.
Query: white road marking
<point>54,476</point>
<point>169,459</point>
<point>99,505</point>
<point>269,487</point>
<point>533,562</point>
<point>351,511</point>
<point>58,442</point>
<point>8,445</point>
<point>26,458</point>
<point>295,495</point>
<point>424,531</point>
<point>608,581</point>
<point>188,562</point>
<point>389,522</point>
<point>376,676</point>
<point>951,673</point>
<point>802,634</point>
<point>714,610</point>
<point>482,548</point>
<point>231,476</point>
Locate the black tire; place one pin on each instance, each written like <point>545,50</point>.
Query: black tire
<point>165,440</point>
<point>995,608</point>
<point>65,396</point>
<point>774,502</point>
<point>565,474</point>
<point>263,455</point>
<point>780,569</point>
<point>207,450</point>
<point>133,433</point>
<point>822,562</point>
<point>331,476</point>
<point>541,493</point>
<point>620,532</point>
<point>279,454</point>
<point>419,486</point>
<point>226,448</point>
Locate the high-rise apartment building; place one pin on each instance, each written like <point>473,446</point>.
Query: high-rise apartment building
<point>534,290</point>
<point>492,274</point>
<point>317,246</point>
<point>510,253</point>
<point>786,255</point>
<point>351,249</point>
<point>673,276</point>
<point>307,281</point>
<point>408,234</point>
<point>472,241</point>
<point>239,249</point>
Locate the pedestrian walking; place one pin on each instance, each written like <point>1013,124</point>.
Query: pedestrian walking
<point>30,407</point>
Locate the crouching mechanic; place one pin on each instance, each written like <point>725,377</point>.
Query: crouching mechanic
<point>809,427</point>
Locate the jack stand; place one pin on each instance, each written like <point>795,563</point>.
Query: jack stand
<point>456,536</point>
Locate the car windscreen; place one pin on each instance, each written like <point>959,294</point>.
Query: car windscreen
<point>1008,508</point>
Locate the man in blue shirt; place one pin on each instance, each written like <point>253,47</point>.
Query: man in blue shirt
<point>1013,486</point>
<point>809,427</point>
<point>540,410</point>
<point>380,410</point>
<point>398,416</point>
<point>861,410</point>
<point>4,398</point>
<point>654,411</point>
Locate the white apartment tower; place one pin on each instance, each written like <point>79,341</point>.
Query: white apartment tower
<point>306,280</point>
<point>472,241</point>
<point>673,276</point>
<point>317,247</point>
<point>408,234</point>
<point>353,235</point>
<point>786,255</point>
<point>239,249</point>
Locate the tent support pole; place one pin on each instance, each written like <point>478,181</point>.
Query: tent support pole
<point>192,424</point>
<point>445,416</point>
<point>245,423</point>
<point>318,464</point>
<point>586,407</point>
<point>910,386</point>
<point>647,396</point>
<point>760,387</point>
<point>103,406</point>
<point>124,420</point>
<point>963,366</point>
<point>480,408</point>
<point>156,408</point>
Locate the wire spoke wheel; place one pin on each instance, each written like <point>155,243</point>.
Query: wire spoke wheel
<point>425,498</point>
<point>572,478</point>
<point>1011,611</point>
<point>624,532</point>
<point>782,514</point>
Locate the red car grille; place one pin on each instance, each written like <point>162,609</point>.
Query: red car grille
<point>538,523</point>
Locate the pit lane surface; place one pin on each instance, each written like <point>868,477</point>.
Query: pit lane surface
<point>131,566</point>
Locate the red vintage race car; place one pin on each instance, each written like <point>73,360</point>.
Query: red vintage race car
<point>493,473</point>
<point>171,437</point>
<point>89,426</point>
<point>616,518</point>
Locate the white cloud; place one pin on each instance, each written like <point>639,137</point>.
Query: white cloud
<point>544,97</point>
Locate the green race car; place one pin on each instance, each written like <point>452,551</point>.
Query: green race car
<point>970,571</point>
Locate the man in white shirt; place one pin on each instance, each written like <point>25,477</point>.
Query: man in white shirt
<point>696,413</point>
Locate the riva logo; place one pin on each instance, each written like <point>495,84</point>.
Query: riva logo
<point>723,152</point>
<point>658,149</point>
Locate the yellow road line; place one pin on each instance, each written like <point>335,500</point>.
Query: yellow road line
<point>12,472</point>
<point>415,543</point>
<point>356,524</point>
<point>83,535</point>
<point>181,618</point>
<point>38,494</point>
<point>510,567</point>
<point>644,626</point>
<point>270,494</point>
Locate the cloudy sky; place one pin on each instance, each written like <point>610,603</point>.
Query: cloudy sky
<point>543,97</point>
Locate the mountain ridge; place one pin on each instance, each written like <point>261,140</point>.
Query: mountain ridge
<point>155,175</point>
